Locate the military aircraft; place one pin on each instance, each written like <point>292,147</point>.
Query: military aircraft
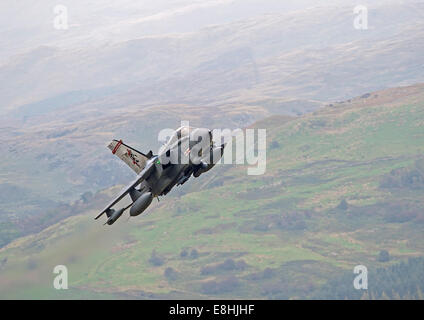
<point>189,151</point>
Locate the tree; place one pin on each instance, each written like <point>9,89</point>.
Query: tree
<point>384,296</point>
<point>383,256</point>
<point>155,259</point>
<point>343,205</point>
<point>86,197</point>
<point>395,295</point>
<point>420,295</point>
<point>268,273</point>
<point>365,296</point>
<point>194,254</point>
<point>274,145</point>
<point>220,286</point>
<point>184,253</point>
<point>170,274</point>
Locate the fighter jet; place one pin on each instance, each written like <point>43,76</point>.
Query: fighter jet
<point>189,151</point>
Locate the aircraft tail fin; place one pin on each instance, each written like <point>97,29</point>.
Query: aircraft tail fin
<point>135,159</point>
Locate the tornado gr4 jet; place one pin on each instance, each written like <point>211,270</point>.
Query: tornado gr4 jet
<point>189,151</point>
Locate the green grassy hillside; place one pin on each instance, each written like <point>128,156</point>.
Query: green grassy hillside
<point>341,185</point>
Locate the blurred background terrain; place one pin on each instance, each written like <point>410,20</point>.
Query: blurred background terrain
<point>343,109</point>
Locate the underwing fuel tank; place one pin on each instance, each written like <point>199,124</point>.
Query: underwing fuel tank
<point>141,204</point>
<point>114,215</point>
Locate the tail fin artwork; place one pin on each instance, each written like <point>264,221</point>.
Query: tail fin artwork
<point>135,159</point>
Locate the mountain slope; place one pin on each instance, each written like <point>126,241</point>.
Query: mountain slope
<point>341,185</point>
<point>62,100</point>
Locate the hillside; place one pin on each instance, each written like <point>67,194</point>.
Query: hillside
<point>116,74</point>
<point>342,185</point>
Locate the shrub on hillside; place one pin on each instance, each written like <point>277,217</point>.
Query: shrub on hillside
<point>220,286</point>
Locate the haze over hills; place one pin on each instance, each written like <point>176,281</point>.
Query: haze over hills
<point>291,55</point>
<point>342,185</point>
<point>26,24</point>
